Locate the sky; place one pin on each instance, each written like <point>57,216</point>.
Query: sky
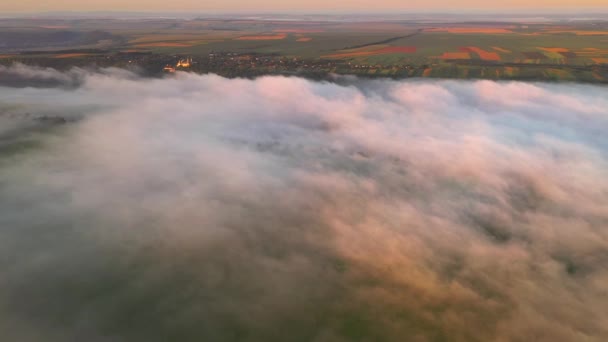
<point>296,5</point>
<point>359,210</point>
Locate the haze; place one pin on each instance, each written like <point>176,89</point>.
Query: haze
<point>299,5</point>
<point>357,210</point>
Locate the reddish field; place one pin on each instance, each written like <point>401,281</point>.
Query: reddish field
<point>382,51</point>
<point>554,49</point>
<point>163,44</point>
<point>455,55</point>
<point>72,55</point>
<point>596,52</point>
<point>298,31</point>
<point>304,39</point>
<point>501,49</point>
<point>483,54</point>
<point>484,30</point>
<point>266,37</point>
<point>580,33</point>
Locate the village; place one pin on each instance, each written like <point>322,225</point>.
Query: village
<point>238,64</point>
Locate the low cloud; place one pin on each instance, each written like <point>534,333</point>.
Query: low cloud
<point>201,208</point>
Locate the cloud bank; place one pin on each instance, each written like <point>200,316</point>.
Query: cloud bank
<point>198,208</point>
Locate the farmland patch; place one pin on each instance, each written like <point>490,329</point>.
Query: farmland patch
<point>455,55</point>
<point>554,49</point>
<point>501,49</point>
<point>299,31</point>
<point>483,54</point>
<point>579,32</point>
<point>461,30</point>
<point>381,51</point>
<point>72,55</point>
<point>264,37</point>
<point>164,44</point>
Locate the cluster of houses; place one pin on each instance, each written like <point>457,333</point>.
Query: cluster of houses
<point>181,64</point>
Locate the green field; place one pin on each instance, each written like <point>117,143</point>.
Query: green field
<point>522,43</point>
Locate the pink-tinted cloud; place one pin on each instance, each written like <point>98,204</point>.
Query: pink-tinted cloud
<point>197,207</point>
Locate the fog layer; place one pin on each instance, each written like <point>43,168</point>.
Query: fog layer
<point>198,208</point>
